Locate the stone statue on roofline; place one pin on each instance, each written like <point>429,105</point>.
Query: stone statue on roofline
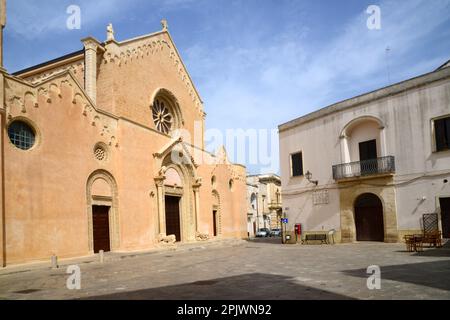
<point>110,32</point>
<point>164,25</point>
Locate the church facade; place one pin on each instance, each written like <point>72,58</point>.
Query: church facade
<point>103,149</point>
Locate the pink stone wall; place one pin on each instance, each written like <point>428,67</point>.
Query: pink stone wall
<point>46,197</point>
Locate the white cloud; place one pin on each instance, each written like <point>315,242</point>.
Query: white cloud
<point>37,19</point>
<point>270,81</point>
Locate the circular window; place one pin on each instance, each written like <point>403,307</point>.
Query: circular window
<point>100,152</point>
<point>162,117</point>
<point>21,135</point>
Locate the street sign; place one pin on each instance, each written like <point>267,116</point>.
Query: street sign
<point>284,220</point>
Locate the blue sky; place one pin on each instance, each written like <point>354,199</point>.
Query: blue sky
<point>256,63</point>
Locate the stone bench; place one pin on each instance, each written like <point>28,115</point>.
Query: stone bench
<point>322,237</point>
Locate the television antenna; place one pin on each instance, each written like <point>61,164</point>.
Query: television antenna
<point>388,51</point>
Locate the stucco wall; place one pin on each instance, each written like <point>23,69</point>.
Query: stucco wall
<point>406,125</point>
<point>48,188</point>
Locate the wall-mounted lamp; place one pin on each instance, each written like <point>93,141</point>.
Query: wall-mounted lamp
<point>308,175</point>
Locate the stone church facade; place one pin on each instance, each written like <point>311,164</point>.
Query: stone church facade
<point>103,149</point>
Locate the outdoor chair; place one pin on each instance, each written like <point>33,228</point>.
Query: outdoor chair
<point>433,238</point>
<point>418,243</point>
<point>410,243</point>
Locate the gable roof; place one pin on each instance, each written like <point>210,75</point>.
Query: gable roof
<point>78,54</point>
<point>144,38</point>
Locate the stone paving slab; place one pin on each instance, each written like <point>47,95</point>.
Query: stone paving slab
<point>113,256</point>
<point>263,269</point>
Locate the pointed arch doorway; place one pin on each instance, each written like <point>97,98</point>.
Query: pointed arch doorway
<point>177,192</point>
<point>102,210</point>
<point>369,220</point>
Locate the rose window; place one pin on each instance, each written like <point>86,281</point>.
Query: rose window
<point>100,153</point>
<point>162,117</point>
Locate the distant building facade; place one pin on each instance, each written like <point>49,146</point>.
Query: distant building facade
<point>370,167</point>
<point>264,202</point>
<point>95,155</point>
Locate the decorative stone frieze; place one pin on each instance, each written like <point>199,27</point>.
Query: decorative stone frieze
<point>123,54</point>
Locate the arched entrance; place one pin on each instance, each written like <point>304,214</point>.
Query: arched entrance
<point>177,187</point>
<point>102,204</point>
<point>369,220</point>
<point>173,197</point>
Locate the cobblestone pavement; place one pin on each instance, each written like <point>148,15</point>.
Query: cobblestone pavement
<point>260,269</point>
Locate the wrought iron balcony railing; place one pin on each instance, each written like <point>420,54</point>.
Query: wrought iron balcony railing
<point>274,205</point>
<point>384,165</point>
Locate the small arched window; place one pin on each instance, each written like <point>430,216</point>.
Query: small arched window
<point>253,201</point>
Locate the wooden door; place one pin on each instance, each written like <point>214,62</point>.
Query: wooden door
<point>369,218</point>
<point>100,223</point>
<point>445,217</point>
<point>215,223</point>
<point>173,217</point>
<point>368,151</point>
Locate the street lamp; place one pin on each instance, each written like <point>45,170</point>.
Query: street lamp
<point>308,176</point>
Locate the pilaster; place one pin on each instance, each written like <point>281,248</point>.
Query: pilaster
<point>161,203</point>
<point>196,189</point>
<point>92,47</point>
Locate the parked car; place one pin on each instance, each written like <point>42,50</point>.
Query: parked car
<point>263,233</point>
<point>275,233</point>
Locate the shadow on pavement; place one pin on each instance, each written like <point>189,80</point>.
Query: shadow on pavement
<point>436,252</point>
<point>432,251</point>
<point>268,240</point>
<point>435,274</point>
<point>255,286</point>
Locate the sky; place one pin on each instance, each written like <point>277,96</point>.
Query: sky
<point>256,63</point>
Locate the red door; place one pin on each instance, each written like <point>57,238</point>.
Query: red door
<point>173,217</point>
<point>215,222</point>
<point>100,223</point>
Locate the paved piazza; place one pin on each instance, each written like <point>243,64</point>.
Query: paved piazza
<point>260,269</point>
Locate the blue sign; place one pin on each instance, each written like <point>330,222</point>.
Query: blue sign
<point>284,220</point>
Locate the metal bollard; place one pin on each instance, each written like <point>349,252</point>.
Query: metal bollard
<point>101,255</point>
<point>54,262</point>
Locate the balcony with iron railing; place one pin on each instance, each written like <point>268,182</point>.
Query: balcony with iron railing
<point>275,205</point>
<point>365,168</point>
